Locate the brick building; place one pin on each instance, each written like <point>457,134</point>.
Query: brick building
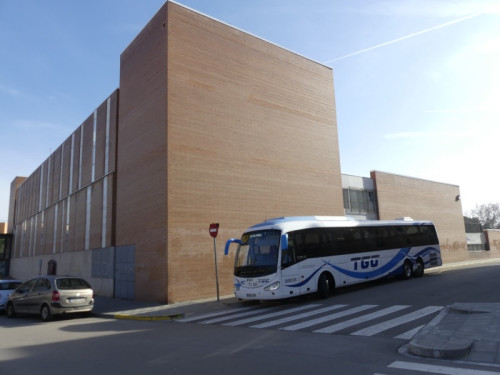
<point>207,130</point>
<point>210,124</point>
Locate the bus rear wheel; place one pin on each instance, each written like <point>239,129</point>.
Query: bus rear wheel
<point>326,285</point>
<point>418,270</point>
<point>407,270</point>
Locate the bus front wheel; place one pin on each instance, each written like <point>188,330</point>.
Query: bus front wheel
<point>325,285</point>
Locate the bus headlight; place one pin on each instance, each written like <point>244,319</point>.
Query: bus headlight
<point>272,286</point>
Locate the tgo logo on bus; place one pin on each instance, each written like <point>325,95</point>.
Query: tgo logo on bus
<point>365,262</point>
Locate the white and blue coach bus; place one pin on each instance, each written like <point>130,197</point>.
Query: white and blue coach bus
<point>290,256</point>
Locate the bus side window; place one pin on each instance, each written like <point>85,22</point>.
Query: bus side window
<point>412,235</point>
<point>399,238</point>
<point>429,234</point>
<point>382,235</point>
<point>389,238</point>
<point>314,240</point>
<point>300,246</point>
<point>369,239</point>
<point>422,235</point>
<point>333,235</point>
<point>355,240</point>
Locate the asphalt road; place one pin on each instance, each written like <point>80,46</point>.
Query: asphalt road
<point>272,338</point>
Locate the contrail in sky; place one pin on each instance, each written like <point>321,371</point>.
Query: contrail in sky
<point>404,37</point>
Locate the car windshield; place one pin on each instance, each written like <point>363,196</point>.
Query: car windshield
<point>71,283</point>
<point>258,254</point>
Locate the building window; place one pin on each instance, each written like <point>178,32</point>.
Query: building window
<point>357,201</point>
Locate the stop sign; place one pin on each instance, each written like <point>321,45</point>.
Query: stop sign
<point>214,229</point>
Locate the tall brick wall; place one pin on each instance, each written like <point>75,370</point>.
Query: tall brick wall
<point>141,195</point>
<point>400,196</point>
<point>251,135</point>
<point>226,128</point>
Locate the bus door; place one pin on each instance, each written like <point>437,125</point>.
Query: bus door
<point>289,267</point>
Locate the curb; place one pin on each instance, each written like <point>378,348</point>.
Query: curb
<point>431,344</point>
<point>148,318</point>
<point>452,349</point>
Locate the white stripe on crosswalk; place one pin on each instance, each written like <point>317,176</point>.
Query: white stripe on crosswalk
<point>244,315</point>
<point>217,313</point>
<point>234,316</point>
<point>327,318</point>
<point>349,323</point>
<point>297,317</point>
<point>270,315</point>
<point>409,334</point>
<point>377,328</point>
<point>434,369</point>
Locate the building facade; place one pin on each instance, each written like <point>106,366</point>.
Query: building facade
<point>209,125</point>
<point>212,125</point>
<point>66,206</point>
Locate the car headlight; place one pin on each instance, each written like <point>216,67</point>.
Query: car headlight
<point>272,286</point>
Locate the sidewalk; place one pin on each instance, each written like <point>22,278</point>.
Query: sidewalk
<point>136,310</point>
<point>465,331</point>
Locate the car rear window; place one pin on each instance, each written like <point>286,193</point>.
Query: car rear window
<point>71,283</point>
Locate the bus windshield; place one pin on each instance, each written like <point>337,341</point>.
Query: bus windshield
<point>258,254</point>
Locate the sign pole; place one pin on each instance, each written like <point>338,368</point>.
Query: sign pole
<point>216,275</point>
<point>213,230</point>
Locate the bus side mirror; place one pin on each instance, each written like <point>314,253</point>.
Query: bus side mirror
<point>284,241</point>
<point>229,242</point>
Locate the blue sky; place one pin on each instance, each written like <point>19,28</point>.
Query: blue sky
<point>417,83</point>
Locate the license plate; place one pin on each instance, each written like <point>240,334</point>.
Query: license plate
<point>76,300</point>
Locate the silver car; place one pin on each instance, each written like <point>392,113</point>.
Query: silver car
<point>51,295</point>
<point>6,288</point>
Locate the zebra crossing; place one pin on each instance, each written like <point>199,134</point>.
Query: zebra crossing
<point>361,320</point>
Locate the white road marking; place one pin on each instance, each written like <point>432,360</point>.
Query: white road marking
<point>433,369</point>
<point>297,317</point>
<point>409,334</point>
<point>327,318</point>
<point>233,316</point>
<point>349,323</point>
<point>217,313</point>
<point>270,315</point>
<point>377,328</point>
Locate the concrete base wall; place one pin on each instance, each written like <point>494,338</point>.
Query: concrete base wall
<point>78,263</point>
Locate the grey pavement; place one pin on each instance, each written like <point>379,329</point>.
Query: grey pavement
<point>463,331</point>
